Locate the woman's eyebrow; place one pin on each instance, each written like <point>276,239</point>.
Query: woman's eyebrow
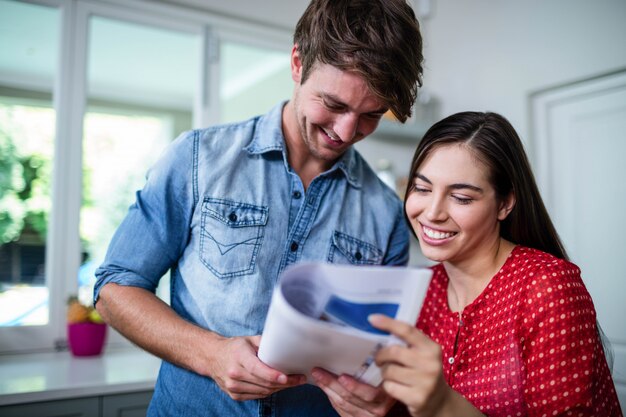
<point>456,186</point>
<point>423,178</point>
<point>462,186</point>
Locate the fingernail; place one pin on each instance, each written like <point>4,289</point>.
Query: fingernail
<point>373,317</point>
<point>282,379</point>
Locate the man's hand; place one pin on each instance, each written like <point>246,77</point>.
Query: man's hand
<point>350,397</point>
<point>241,374</point>
<point>231,362</point>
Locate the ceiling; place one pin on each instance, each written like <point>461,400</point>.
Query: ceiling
<point>277,13</point>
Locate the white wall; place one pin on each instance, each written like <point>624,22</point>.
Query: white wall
<point>488,54</point>
<point>485,54</point>
<point>492,54</point>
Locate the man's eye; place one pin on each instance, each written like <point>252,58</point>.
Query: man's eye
<point>333,107</point>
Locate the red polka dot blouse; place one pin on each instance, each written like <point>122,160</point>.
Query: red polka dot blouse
<point>528,345</point>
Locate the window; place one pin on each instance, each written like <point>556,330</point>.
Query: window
<point>139,99</point>
<point>29,35</point>
<point>254,79</point>
<point>87,104</point>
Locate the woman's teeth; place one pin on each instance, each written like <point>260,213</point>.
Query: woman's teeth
<point>433,234</point>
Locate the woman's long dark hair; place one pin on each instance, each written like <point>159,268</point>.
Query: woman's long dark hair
<point>492,139</point>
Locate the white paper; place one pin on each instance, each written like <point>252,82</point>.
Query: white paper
<point>318,316</point>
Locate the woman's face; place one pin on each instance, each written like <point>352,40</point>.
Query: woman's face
<point>453,207</point>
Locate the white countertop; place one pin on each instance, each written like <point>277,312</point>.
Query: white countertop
<point>52,376</point>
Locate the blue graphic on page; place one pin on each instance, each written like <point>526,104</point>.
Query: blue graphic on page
<point>355,314</point>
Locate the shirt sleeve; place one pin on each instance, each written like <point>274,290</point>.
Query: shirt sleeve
<point>560,345</point>
<point>155,231</point>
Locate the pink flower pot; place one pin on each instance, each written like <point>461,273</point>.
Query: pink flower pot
<point>86,339</point>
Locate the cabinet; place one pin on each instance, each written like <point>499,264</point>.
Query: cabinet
<point>125,405</point>
<point>133,404</point>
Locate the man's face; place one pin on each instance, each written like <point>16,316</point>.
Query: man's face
<point>333,109</point>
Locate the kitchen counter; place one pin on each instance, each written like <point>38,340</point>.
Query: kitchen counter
<point>53,376</point>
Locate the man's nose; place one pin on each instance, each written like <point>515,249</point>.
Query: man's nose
<point>346,126</point>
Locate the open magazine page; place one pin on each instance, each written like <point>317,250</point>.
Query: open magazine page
<point>318,316</point>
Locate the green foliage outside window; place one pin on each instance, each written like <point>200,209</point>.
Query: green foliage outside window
<point>12,208</point>
<point>24,188</point>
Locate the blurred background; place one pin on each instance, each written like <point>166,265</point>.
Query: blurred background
<point>91,92</point>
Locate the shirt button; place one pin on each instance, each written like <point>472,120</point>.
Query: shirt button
<point>297,195</point>
<point>358,256</point>
<point>450,360</point>
<point>294,246</point>
<point>232,217</point>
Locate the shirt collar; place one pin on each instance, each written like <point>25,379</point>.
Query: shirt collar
<point>349,163</point>
<point>268,137</point>
<point>268,134</point>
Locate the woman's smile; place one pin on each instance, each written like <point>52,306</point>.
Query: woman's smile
<point>436,237</point>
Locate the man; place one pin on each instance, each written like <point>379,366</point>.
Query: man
<point>229,207</point>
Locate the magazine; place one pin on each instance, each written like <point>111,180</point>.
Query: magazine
<point>318,317</point>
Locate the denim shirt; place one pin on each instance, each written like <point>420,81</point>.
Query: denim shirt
<point>226,213</point>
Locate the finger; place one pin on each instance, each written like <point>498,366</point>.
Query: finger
<point>328,382</point>
<point>266,375</point>
<point>402,375</point>
<point>373,399</point>
<point>404,355</point>
<point>362,390</point>
<point>351,395</point>
<point>239,390</point>
<point>404,331</point>
<point>403,393</point>
<point>241,385</point>
<point>254,370</point>
<point>255,341</point>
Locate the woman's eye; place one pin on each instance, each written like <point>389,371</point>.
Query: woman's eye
<point>419,189</point>
<point>462,200</point>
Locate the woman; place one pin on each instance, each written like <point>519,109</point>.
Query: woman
<point>506,312</point>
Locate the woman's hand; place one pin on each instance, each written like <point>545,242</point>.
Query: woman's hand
<point>412,374</point>
<point>350,397</point>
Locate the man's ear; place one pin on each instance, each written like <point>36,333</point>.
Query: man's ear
<point>296,65</point>
<point>506,206</point>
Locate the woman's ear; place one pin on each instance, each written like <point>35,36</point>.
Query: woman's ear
<point>296,65</point>
<point>506,206</point>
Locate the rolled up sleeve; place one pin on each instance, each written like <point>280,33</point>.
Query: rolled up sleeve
<point>155,231</point>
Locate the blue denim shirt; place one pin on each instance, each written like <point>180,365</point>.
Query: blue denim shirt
<point>226,213</point>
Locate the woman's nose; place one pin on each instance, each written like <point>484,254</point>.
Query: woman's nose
<point>436,210</point>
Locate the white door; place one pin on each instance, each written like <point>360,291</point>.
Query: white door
<point>580,161</point>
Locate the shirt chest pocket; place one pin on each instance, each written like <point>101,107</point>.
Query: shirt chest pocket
<point>345,249</point>
<point>231,236</point>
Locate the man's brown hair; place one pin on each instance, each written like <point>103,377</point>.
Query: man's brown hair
<point>377,39</point>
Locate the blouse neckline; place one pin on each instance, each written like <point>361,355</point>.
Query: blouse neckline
<point>485,292</point>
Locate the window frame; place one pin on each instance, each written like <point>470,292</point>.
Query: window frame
<point>69,101</point>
